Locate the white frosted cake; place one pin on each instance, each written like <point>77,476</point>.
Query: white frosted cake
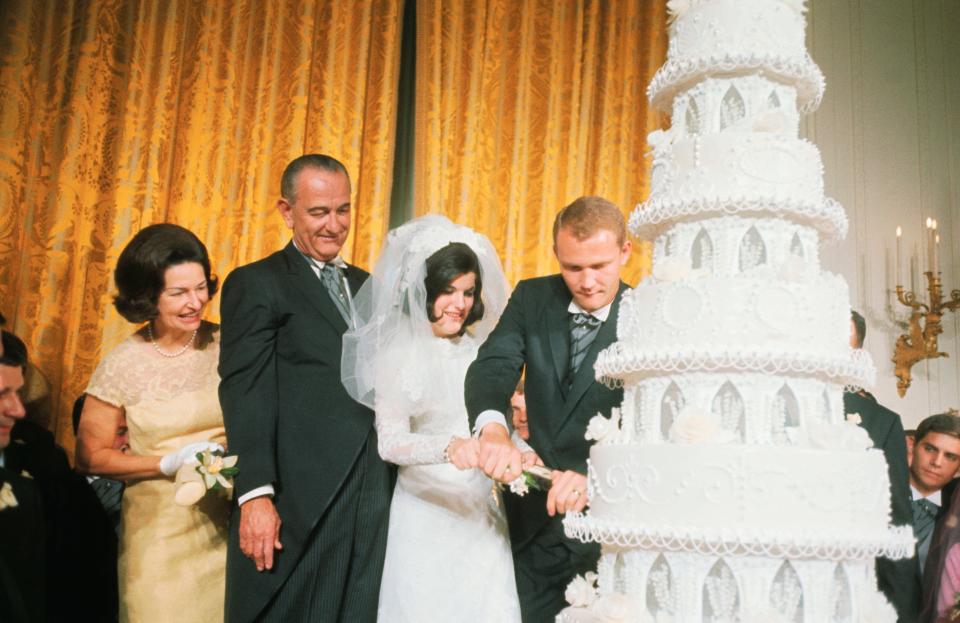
<point>730,486</point>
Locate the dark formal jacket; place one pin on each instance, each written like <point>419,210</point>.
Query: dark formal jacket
<point>22,547</point>
<point>534,333</point>
<point>897,579</point>
<point>288,418</point>
<point>81,545</point>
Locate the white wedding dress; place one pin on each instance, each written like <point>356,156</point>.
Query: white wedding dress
<point>448,551</point>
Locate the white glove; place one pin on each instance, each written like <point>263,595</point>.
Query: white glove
<point>171,463</point>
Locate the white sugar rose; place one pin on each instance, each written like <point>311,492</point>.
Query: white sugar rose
<point>602,429</point>
<point>694,425</point>
<point>772,121</point>
<point>615,608</point>
<point>581,591</point>
<point>671,269</point>
<point>841,436</point>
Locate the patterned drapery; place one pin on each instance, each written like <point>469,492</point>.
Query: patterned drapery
<point>524,106</point>
<point>115,114</point>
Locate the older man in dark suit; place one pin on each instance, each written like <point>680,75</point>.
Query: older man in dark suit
<point>307,452</point>
<point>554,327</point>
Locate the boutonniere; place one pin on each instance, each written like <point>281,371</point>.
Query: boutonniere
<point>534,477</point>
<point>854,418</point>
<point>7,498</point>
<point>212,471</point>
<point>26,474</point>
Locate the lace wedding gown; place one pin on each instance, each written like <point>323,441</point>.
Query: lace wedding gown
<point>172,558</point>
<point>448,551</point>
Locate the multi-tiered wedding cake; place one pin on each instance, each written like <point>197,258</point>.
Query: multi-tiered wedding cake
<point>730,487</point>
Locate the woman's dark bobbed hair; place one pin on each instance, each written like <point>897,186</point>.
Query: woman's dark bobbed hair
<point>139,275</point>
<point>443,267</point>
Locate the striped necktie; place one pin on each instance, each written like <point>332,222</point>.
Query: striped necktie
<point>332,280</point>
<point>583,330</point>
<point>924,519</point>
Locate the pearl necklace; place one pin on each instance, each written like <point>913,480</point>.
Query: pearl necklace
<point>156,346</point>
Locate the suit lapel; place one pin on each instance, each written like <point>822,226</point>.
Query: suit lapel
<point>556,326</point>
<point>307,283</point>
<point>585,376</point>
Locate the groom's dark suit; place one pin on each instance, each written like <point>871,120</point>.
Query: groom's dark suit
<point>292,425</point>
<point>533,333</point>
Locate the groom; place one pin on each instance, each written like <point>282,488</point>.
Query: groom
<point>553,327</point>
<point>309,539</point>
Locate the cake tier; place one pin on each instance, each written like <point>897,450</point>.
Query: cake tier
<point>733,173</point>
<point>711,37</point>
<point>731,245</point>
<point>736,499</point>
<point>749,407</point>
<point>679,587</point>
<point>750,322</point>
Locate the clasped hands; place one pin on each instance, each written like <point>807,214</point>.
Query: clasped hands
<point>498,458</point>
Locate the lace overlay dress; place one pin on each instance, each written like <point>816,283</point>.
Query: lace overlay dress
<point>172,558</point>
<point>448,550</point>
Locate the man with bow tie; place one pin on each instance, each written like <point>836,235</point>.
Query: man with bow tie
<point>553,327</point>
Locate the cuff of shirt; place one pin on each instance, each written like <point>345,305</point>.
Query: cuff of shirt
<point>259,492</point>
<point>487,417</point>
<point>520,442</point>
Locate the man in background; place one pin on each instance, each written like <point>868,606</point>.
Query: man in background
<point>934,464</point>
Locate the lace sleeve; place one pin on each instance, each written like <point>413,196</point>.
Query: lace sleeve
<point>107,382</point>
<point>398,444</point>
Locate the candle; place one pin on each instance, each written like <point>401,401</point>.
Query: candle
<point>899,235</point>
<point>929,243</point>
<point>936,255</point>
<point>933,246</point>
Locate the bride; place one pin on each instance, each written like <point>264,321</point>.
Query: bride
<point>434,296</point>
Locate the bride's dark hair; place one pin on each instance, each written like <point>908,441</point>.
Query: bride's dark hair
<point>443,267</point>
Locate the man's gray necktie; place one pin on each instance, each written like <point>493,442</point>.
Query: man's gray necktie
<point>583,330</point>
<point>330,276</point>
<point>924,518</point>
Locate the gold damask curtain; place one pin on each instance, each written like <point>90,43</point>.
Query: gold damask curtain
<point>522,106</point>
<point>115,114</point>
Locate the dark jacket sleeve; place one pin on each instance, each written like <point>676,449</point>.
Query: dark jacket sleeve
<point>492,377</point>
<point>897,579</point>
<point>248,383</point>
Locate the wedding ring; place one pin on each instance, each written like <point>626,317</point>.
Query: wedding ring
<point>576,493</point>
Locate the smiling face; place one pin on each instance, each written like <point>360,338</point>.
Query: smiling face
<point>453,305</point>
<point>185,294</point>
<point>591,266</point>
<point>319,212</point>
<point>934,461</point>
<point>11,407</point>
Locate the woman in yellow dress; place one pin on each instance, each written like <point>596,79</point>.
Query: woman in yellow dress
<point>163,380</point>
